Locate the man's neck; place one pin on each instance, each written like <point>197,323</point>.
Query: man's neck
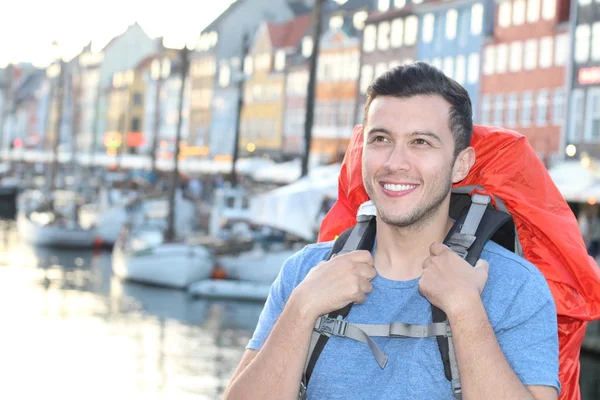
<point>400,252</point>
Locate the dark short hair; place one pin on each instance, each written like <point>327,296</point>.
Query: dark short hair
<point>423,79</point>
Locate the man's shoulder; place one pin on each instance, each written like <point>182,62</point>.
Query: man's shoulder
<point>301,262</point>
<point>509,263</point>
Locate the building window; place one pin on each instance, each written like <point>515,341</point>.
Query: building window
<point>383,5</point>
<point>336,22</point>
<point>460,71</point>
<point>451,22</point>
<point>498,110</point>
<point>585,2</point>
<point>248,65</point>
<point>485,110</point>
<point>541,117</point>
<point>518,16</point>
<point>596,41</point>
<point>533,10</point>
<point>476,19</point>
<point>380,69</point>
<point>582,43</point>
<point>224,75</point>
<point>449,67</point>
<point>137,99</point>
<point>428,27</point>
<point>526,105</point>
<point>366,77</point>
<point>437,63</point>
<point>280,60</point>
<point>463,29</point>
<point>504,14</point>
<point>369,38</point>
<point>393,64</point>
<point>592,115</point>
<point>558,104</point>
<point>399,3</point>
<point>548,9</point>
<point>473,72</point>
<point>501,58</point>
<point>307,46</point>
<point>383,36</point>
<point>546,52</point>
<point>397,34</point>
<point>511,112</point>
<point>576,115</point>
<point>561,50</point>
<point>531,55</point>
<point>417,1</point>
<point>359,19</point>
<point>489,65</point>
<point>516,56</point>
<point>411,27</point>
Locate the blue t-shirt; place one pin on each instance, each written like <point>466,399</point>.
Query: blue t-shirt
<point>516,297</point>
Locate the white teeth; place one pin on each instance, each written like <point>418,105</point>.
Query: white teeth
<point>398,188</point>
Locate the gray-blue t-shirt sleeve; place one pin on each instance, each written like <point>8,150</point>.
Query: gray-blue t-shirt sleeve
<point>528,334</point>
<point>291,274</point>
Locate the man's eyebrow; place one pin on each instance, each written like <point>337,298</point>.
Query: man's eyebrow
<point>426,133</point>
<point>378,130</point>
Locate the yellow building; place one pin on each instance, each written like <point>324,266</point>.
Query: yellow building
<point>125,114</point>
<point>264,91</point>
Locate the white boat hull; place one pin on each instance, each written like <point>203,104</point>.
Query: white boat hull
<point>230,289</point>
<point>54,235</point>
<point>256,265</point>
<point>174,265</point>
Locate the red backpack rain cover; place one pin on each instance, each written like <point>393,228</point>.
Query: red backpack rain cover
<point>508,168</point>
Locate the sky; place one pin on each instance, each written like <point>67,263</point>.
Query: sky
<point>28,27</point>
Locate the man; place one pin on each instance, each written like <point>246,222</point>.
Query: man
<point>418,126</point>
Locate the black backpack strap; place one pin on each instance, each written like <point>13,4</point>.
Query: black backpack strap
<point>467,238</point>
<point>359,237</point>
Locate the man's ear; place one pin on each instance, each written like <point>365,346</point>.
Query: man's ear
<point>463,164</point>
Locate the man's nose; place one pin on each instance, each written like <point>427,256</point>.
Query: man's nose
<point>398,159</point>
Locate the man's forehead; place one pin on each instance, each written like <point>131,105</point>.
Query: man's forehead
<point>420,112</point>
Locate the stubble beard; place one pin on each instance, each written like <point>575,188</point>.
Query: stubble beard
<point>422,214</point>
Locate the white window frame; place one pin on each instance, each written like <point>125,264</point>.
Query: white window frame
<point>541,113</point>
<point>224,74</point>
<point>448,67</point>
<point>397,33</point>
<point>451,24</point>
<point>561,49</point>
<point>531,55</point>
<point>380,69</point>
<point>476,19</point>
<point>526,109</point>
<point>498,110</point>
<point>437,63</point>
<point>585,2</point>
<point>593,99</point>
<point>558,104</point>
<point>582,43</point>
<point>595,42</point>
<point>576,115</point>
<point>501,58</point>
<point>548,9</point>
<point>484,117</point>
<point>307,46</point>
<point>369,38</point>
<point>399,3</point>
<point>533,11</point>
<point>359,18</point>
<point>518,12</point>
<point>383,5</point>
<point>489,63</point>
<point>383,36</point>
<point>460,71</point>
<point>505,14</point>
<point>516,56</point>
<point>428,27</point>
<point>512,103</point>
<point>546,47</point>
<point>473,68</point>
<point>411,30</point>
<point>280,60</point>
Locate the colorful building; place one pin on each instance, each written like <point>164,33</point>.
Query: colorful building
<point>523,73</point>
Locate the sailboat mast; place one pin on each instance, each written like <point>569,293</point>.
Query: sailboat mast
<point>170,234</point>
<point>57,124</point>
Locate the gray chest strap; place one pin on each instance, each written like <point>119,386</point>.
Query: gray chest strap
<point>364,332</point>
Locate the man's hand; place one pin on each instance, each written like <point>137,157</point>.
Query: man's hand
<point>336,283</point>
<point>448,281</point>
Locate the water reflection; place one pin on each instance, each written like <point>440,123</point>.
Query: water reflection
<point>72,329</point>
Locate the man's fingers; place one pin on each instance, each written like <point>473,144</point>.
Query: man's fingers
<point>437,248</point>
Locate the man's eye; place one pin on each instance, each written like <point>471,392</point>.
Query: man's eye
<point>421,142</point>
<point>380,139</point>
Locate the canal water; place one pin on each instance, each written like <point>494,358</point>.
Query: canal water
<point>71,330</point>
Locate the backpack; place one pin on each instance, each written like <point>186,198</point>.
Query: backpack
<point>541,227</point>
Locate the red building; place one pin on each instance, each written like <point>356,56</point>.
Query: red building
<point>524,72</point>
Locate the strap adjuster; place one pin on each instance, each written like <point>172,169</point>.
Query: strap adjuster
<point>331,327</point>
